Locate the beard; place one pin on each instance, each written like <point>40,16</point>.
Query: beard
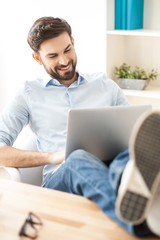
<point>68,75</point>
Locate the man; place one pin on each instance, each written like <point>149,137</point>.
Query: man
<point>44,104</point>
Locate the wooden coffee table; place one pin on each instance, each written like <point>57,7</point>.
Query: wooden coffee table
<point>64,216</point>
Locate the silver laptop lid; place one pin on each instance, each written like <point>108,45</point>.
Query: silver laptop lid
<point>102,131</point>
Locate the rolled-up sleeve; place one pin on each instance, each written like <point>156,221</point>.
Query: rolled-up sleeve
<point>13,118</point>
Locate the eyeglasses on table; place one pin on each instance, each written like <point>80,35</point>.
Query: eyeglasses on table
<point>31,226</point>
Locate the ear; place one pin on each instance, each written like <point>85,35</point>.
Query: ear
<point>72,41</point>
<point>37,58</point>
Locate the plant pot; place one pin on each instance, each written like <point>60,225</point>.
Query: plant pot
<point>134,84</point>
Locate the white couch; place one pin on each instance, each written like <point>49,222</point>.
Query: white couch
<point>33,175</point>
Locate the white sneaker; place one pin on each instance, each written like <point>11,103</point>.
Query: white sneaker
<point>141,177</point>
<point>153,218</point>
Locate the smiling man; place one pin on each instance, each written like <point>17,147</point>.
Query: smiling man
<point>59,58</point>
<point>44,105</point>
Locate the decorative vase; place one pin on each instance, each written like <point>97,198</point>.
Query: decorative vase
<point>134,84</point>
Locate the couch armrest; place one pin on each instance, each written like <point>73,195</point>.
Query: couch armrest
<point>10,173</point>
<point>33,175</point>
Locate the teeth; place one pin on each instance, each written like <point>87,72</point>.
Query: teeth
<point>65,68</point>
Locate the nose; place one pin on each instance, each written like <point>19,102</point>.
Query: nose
<point>63,60</point>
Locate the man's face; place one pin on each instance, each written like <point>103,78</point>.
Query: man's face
<point>59,58</point>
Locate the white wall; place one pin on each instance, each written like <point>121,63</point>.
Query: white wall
<point>86,17</point>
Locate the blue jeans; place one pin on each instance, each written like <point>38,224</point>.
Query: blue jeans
<point>86,175</point>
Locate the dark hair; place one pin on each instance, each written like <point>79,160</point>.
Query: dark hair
<point>46,28</point>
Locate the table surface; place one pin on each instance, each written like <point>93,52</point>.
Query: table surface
<point>64,215</point>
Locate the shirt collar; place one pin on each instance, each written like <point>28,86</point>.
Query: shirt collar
<point>47,81</point>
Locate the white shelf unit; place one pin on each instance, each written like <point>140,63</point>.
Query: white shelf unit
<point>138,32</point>
<point>145,94</point>
<point>136,47</point>
<point>151,97</point>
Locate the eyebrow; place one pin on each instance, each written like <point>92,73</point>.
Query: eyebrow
<point>55,54</point>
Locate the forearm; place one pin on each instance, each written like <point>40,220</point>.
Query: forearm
<point>12,157</point>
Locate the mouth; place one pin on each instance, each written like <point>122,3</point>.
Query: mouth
<point>66,68</point>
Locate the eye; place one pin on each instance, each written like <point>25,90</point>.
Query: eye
<point>53,56</point>
<point>67,50</point>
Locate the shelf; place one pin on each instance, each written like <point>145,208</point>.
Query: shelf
<point>139,32</point>
<point>144,93</point>
<point>137,48</point>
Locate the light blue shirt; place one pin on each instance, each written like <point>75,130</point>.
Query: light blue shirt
<point>44,105</point>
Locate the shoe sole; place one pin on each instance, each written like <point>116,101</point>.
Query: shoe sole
<point>146,153</point>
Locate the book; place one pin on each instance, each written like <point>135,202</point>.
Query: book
<point>123,14</point>
<point>118,14</point>
<point>128,14</point>
<point>134,14</point>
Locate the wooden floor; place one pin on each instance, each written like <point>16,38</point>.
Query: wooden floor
<point>65,216</point>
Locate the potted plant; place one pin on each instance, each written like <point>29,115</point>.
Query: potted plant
<point>136,79</point>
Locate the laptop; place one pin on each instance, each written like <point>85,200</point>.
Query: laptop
<point>102,131</point>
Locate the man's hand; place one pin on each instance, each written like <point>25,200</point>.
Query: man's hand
<point>56,157</point>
